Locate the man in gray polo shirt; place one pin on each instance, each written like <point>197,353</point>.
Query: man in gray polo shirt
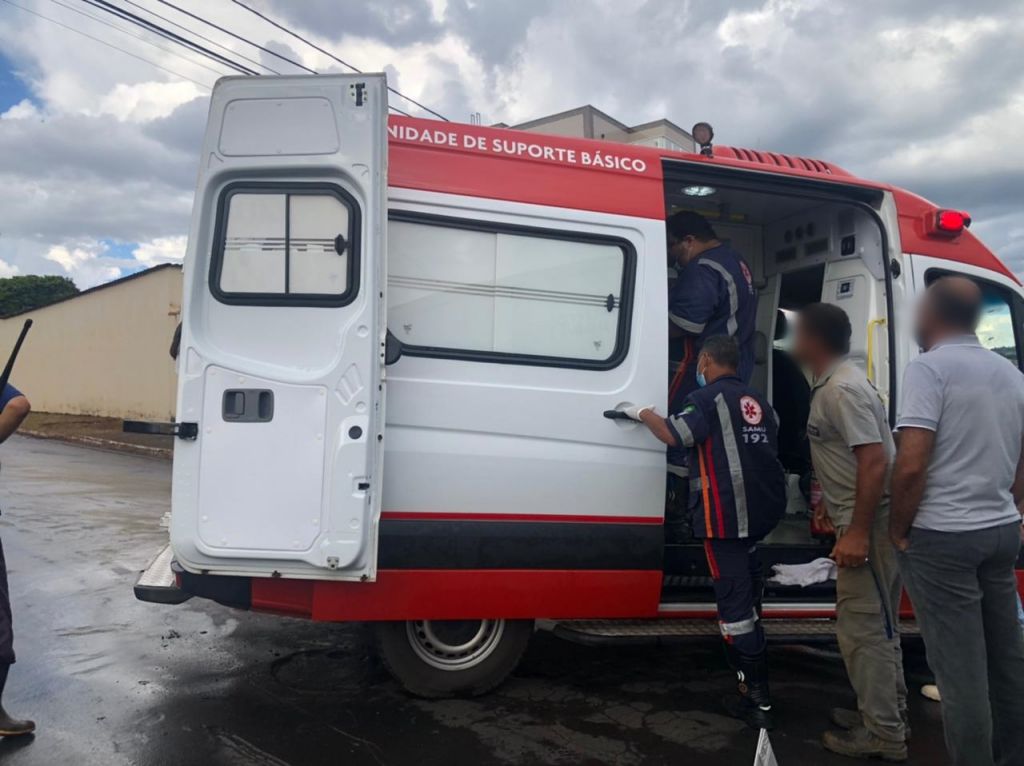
<point>852,450</point>
<point>956,488</point>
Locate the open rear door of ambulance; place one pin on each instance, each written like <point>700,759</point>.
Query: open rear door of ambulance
<point>282,353</point>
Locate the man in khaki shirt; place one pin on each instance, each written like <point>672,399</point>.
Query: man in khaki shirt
<point>852,451</point>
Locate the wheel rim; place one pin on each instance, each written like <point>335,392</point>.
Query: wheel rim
<point>454,644</point>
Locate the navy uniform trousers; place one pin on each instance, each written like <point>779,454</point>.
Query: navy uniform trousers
<point>6,631</point>
<point>738,580</point>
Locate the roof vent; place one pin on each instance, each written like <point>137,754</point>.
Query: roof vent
<point>788,161</point>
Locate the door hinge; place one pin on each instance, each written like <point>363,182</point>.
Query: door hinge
<point>188,431</point>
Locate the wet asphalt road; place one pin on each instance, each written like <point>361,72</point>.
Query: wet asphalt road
<point>114,681</point>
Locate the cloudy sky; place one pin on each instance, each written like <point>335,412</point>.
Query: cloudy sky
<point>98,148</point>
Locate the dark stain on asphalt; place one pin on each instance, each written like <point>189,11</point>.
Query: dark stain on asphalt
<point>113,681</point>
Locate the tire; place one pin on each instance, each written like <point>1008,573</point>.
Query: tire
<point>451,658</point>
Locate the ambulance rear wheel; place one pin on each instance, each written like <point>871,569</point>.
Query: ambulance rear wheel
<point>450,658</point>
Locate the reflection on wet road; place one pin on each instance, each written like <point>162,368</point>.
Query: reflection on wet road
<point>114,681</point>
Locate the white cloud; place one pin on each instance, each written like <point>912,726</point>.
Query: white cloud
<point>161,250</point>
<point>84,263</point>
<point>146,101</point>
<point>7,270</point>
<point>23,110</point>
<point>926,94</point>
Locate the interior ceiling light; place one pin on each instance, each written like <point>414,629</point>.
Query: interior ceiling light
<point>699,191</point>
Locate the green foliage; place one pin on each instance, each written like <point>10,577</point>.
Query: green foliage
<point>19,294</point>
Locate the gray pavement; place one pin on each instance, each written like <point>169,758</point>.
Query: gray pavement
<point>113,681</point>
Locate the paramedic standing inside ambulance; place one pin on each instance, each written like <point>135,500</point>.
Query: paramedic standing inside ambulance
<point>14,407</point>
<point>713,294</point>
<point>737,496</point>
<point>956,489</point>
<point>852,451</point>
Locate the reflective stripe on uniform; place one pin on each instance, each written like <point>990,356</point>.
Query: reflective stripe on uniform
<point>686,325</point>
<point>682,471</point>
<point>708,529</point>
<point>683,429</point>
<point>731,326</point>
<point>734,466</point>
<point>741,628</point>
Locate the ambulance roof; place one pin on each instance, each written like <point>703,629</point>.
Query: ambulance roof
<point>621,179</point>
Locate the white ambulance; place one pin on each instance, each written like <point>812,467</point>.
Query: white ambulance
<point>401,337</point>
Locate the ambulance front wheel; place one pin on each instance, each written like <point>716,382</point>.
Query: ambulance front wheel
<point>449,658</point>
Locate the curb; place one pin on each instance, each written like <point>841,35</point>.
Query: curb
<point>110,445</point>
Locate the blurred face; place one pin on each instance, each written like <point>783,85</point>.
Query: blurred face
<point>806,347</point>
<point>681,251</point>
<point>924,323</point>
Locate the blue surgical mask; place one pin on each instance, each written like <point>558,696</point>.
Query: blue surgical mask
<point>701,380</point>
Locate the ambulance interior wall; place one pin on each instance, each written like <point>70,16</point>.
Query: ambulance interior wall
<point>104,352</point>
<point>847,243</point>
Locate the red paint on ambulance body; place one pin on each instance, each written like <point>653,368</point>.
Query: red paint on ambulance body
<point>450,594</point>
<point>533,168</point>
<point>914,213</point>
<point>470,165</point>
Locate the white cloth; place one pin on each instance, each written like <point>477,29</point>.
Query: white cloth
<point>811,573</point>
<point>764,756</point>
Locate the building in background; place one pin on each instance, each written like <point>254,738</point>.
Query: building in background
<point>590,122</point>
<point>103,351</point>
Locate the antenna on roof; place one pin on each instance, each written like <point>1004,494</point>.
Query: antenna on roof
<point>476,118</point>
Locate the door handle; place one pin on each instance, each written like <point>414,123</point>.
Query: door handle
<point>248,405</point>
<point>616,415</point>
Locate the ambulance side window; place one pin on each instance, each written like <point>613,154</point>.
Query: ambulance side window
<point>518,295</point>
<point>998,328</point>
<point>293,244</point>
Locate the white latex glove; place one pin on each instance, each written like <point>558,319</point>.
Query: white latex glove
<point>633,413</point>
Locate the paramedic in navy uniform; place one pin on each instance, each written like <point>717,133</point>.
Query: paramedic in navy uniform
<point>13,409</point>
<point>737,496</point>
<point>713,294</point>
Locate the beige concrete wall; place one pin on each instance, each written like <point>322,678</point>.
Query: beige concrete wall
<point>103,352</point>
<point>649,134</point>
<point>571,125</point>
<point>608,130</point>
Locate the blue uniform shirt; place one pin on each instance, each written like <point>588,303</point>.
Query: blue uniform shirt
<point>9,392</point>
<point>714,295</point>
<point>737,485</point>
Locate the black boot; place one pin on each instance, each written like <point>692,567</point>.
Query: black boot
<point>753,704</point>
<point>9,727</point>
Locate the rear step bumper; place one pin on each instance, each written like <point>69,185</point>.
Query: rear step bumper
<point>603,632</point>
<point>158,584</point>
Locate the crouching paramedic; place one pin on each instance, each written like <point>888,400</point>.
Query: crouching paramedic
<point>737,496</point>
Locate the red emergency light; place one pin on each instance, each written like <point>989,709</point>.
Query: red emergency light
<point>947,223</point>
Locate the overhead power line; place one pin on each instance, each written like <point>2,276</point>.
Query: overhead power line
<point>204,38</point>
<point>237,36</point>
<point>141,38</point>
<point>330,55</point>
<point>256,45</point>
<point>166,33</point>
<point>70,28</point>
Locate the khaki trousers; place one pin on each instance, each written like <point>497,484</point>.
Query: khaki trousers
<point>867,626</point>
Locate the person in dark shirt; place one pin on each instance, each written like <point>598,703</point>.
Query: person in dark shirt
<point>14,407</point>
<point>713,294</point>
<point>791,397</point>
<point>737,496</point>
